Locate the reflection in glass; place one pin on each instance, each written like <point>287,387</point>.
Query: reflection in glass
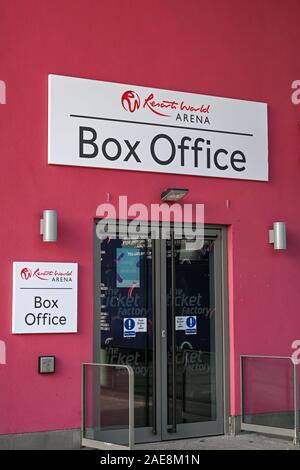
<point>126,315</point>
<point>195,385</point>
<point>268,385</point>
<point>107,388</point>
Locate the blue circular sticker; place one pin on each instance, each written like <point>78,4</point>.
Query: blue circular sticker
<point>129,324</point>
<point>191,322</point>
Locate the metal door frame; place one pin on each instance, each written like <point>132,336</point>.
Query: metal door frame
<point>159,431</point>
<point>200,428</point>
<point>144,434</point>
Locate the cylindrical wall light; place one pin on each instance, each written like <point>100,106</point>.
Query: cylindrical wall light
<point>277,236</point>
<point>48,226</point>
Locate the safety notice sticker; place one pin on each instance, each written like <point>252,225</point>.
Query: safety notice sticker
<point>133,326</point>
<point>187,324</point>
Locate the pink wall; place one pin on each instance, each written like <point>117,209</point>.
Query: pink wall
<point>229,48</point>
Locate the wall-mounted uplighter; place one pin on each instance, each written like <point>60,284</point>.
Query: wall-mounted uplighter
<point>277,236</point>
<point>48,226</point>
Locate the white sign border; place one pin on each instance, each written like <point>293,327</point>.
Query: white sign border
<point>26,263</point>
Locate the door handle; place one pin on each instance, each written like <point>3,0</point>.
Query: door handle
<point>154,318</point>
<point>173,428</point>
<point>163,333</point>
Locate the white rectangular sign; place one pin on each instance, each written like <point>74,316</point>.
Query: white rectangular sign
<point>44,297</point>
<point>131,326</point>
<point>127,127</point>
<point>187,324</point>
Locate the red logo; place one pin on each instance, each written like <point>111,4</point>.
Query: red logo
<point>26,273</point>
<point>130,101</point>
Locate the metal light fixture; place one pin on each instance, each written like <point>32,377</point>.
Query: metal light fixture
<point>173,194</point>
<point>277,236</point>
<point>48,226</point>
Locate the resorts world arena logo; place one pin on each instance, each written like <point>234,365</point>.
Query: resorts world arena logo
<point>26,273</point>
<point>54,275</point>
<point>131,102</point>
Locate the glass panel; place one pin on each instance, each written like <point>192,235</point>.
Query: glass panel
<point>195,332</point>
<point>268,391</point>
<point>126,315</point>
<point>106,405</point>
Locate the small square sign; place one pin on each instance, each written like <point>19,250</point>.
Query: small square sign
<point>46,364</point>
<point>129,327</point>
<point>44,297</point>
<point>191,325</point>
<point>132,326</point>
<point>188,324</point>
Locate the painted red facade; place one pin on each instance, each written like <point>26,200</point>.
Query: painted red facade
<point>247,50</point>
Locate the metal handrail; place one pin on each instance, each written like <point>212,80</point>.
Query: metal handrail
<point>270,429</point>
<point>266,357</point>
<point>101,444</point>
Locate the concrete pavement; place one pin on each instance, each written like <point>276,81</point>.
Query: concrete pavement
<point>244,441</point>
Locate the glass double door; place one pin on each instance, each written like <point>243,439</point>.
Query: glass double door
<point>158,309</point>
